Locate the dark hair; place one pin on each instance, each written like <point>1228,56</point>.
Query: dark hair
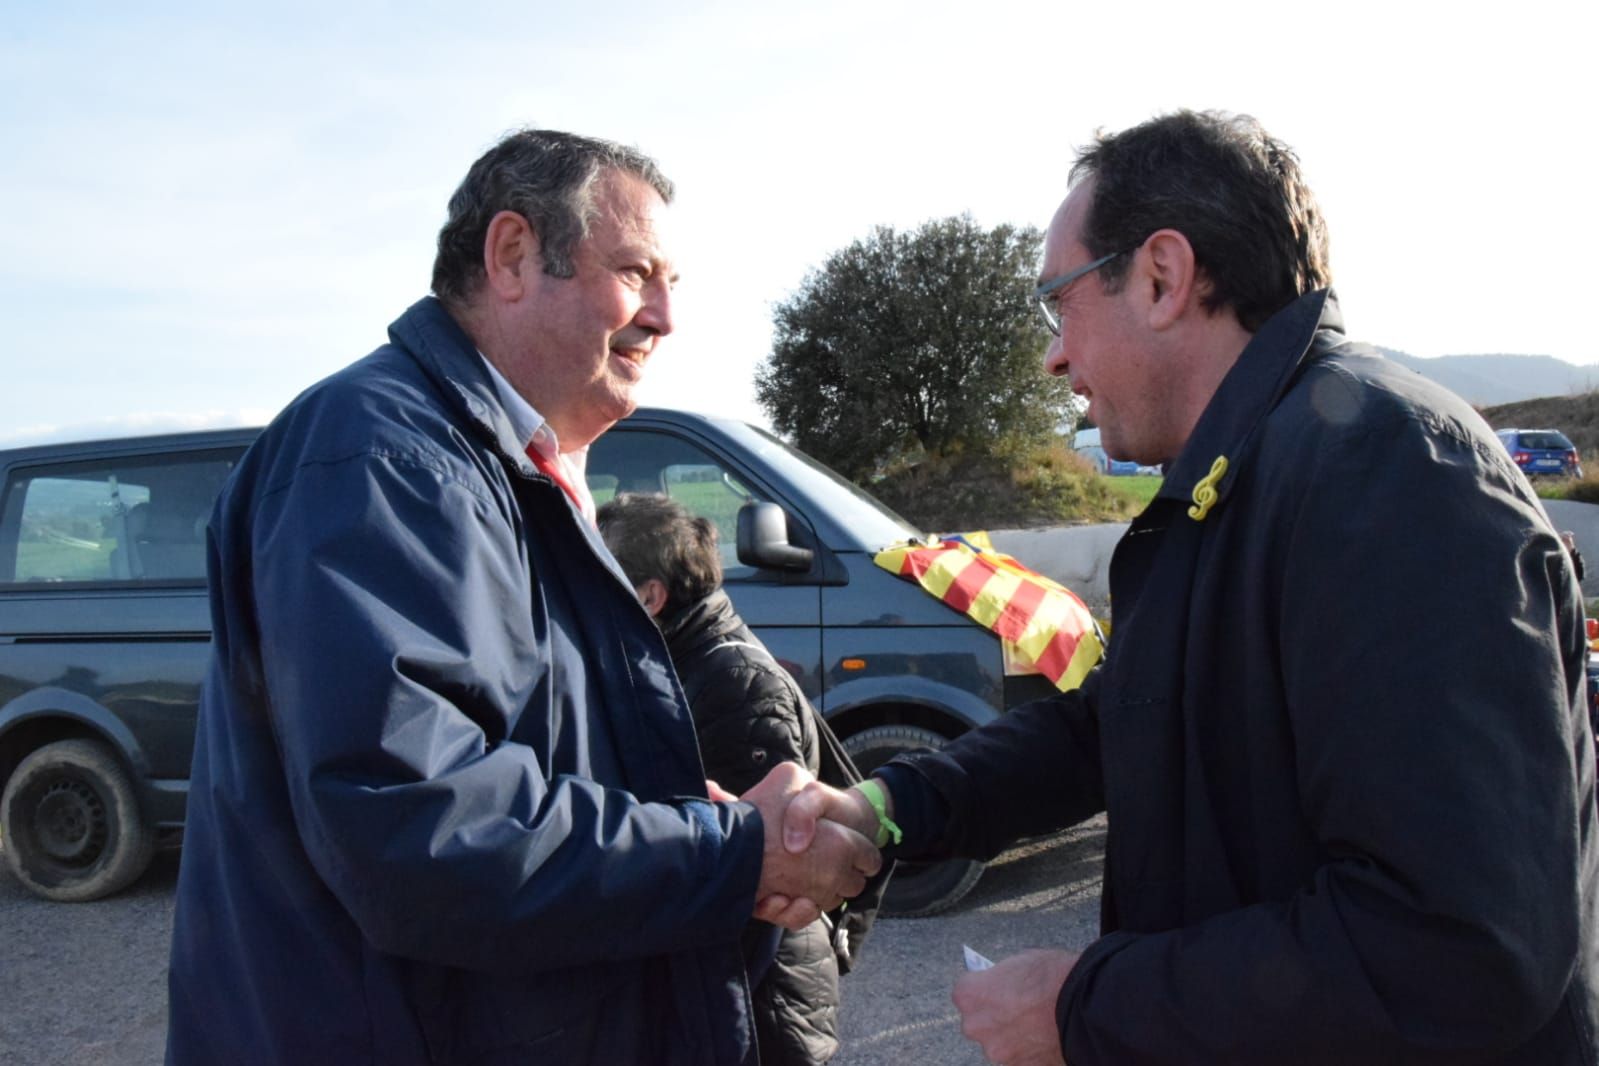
<point>655,536</point>
<point>545,176</point>
<point>1227,185</point>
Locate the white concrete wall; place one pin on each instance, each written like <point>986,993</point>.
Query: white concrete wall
<point>1076,556</point>
<point>1079,556</point>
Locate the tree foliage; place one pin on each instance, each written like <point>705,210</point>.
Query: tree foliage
<point>914,344</point>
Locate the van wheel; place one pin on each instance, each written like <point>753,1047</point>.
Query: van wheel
<point>70,823</point>
<point>917,889</point>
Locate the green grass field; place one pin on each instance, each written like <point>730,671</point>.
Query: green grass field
<point>64,560</point>
<point>1139,487</point>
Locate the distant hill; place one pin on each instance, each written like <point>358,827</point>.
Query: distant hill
<point>1520,391</point>
<point>1486,380</point>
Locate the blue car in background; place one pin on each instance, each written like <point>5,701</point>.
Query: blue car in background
<point>1541,452</point>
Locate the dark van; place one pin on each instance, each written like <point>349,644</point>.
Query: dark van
<point>104,627</point>
<point>104,635</point>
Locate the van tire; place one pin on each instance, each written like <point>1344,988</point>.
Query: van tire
<point>70,823</point>
<point>917,889</point>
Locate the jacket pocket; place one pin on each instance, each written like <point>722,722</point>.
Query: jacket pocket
<point>479,1019</point>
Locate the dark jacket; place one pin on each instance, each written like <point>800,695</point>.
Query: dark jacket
<point>750,716</point>
<point>446,804</point>
<point>1339,736</point>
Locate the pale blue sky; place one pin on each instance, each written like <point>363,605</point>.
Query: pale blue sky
<point>206,209</point>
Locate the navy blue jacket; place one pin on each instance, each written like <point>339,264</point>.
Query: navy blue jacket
<point>446,803</point>
<point>1340,737</point>
<point>750,715</point>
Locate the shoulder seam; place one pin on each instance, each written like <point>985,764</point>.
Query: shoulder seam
<point>423,461</point>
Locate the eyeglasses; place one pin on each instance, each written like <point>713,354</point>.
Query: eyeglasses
<point>1048,296</point>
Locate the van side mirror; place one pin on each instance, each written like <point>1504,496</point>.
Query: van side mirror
<point>763,539</point>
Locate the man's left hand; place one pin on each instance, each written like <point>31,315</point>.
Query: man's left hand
<point>1009,1009</point>
<point>796,886</point>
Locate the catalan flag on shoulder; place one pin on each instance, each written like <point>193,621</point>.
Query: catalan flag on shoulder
<point>1039,621</point>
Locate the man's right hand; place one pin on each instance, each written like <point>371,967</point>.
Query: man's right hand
<point>800,880</point>
<point>817,801</point>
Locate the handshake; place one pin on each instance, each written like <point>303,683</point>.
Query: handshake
<point>818,850</point>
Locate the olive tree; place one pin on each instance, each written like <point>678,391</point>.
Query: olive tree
<point>921,343</point>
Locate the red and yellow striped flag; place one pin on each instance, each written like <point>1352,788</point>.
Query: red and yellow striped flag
<point>1039,621</point>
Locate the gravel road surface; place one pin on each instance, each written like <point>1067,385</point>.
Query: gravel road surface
<point>85,983</point>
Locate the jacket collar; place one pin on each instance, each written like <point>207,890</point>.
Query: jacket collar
<point>432,337</point>
<point>1209,462</point>
<point>698,624</point>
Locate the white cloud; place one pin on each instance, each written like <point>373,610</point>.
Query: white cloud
<point>140,424</point>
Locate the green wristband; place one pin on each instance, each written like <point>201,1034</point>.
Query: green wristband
<point>886,829</point>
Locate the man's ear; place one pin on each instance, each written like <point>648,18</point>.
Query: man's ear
<point>1172,276</point>
<point>510,250</point>
<point>652,594</point>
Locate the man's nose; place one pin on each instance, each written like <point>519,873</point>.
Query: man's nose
<point>655,313</point>
<point>1055,357</point>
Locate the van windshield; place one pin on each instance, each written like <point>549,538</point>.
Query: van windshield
<point>858,511</point>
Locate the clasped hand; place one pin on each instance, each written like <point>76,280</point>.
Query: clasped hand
<point>815,855</point>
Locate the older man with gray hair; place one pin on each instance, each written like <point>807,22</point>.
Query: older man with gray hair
<point>447,804</point>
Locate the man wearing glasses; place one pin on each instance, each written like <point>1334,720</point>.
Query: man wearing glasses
<point>1339,832</point>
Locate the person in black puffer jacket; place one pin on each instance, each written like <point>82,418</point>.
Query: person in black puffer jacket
<point>750,715</point>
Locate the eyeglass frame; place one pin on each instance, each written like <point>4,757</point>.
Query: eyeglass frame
<point>1042,294</point>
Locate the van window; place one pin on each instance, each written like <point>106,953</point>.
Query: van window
<point>855,509</point>
<point>629,460</point>
<point>134,518</point>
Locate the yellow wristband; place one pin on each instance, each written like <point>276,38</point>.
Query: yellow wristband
<point>886,829</point>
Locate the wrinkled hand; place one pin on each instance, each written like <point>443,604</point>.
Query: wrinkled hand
<point>777,909</point>
<point>798,884</point>
<point>1009,1010</point>
<point>817,801</point>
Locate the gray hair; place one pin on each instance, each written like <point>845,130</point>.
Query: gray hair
<point>545,176</point>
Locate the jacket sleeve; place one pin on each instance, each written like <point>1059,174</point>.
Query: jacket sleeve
<point>1032,770</point>
<point>397,652</point>
<point>1431,665</point>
